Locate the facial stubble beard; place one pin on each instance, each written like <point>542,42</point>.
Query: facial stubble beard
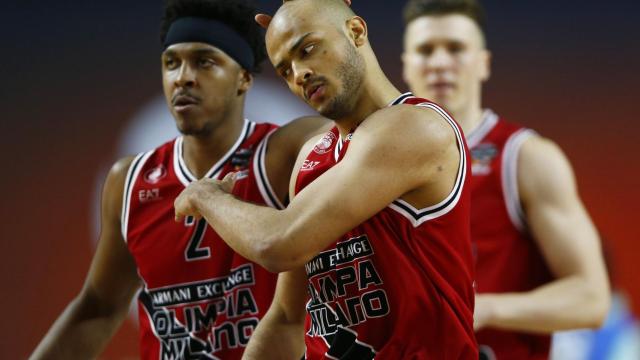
<point>350,72</point>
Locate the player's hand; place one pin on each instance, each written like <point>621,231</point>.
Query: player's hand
<point>186,204</point>
<point>229,181</point>
<point>264,20</point>
<point>483,311</point>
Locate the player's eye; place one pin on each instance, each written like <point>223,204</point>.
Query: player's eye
<point>170,63</point>
<point>307,49</point>
<point>206,62</point>
<point>426,50</point>
<point>455,48</point>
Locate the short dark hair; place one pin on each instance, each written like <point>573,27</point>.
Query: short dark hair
<point>237,14</point>
<point>470,8</point>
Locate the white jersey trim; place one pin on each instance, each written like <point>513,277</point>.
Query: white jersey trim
<point>338,148</point>
<point>489,121</point>
<point>510,177</point>
<point>182,171</point>
<point>132,175</point>
<point>260,172</point>
<point>419,216</point>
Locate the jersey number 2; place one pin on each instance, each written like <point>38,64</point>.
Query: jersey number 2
<point>194,251</point>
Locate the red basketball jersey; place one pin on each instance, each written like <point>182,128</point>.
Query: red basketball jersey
<point>399,285</point>
<point>507,258</point>
<point>200,300</point>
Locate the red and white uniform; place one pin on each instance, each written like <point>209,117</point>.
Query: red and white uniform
<point>507,258</point>
<point>399,285</point>
<point>200,300</point>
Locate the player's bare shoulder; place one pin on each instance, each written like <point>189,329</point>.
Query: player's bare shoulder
<point>114,183</point>
<point>298,131</point>
<point>543,170</point>
<point>420,131</point>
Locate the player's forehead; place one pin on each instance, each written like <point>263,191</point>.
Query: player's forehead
<point>289,26</point>
<point>442,28</point>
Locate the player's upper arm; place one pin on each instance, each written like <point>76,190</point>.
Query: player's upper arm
<point>556,216</point>
<point>296,133</point>
<point>112,279</point>
<point>395,151</point>
<point>284,146</point>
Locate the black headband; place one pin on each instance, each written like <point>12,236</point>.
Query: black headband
<point>212,32</point>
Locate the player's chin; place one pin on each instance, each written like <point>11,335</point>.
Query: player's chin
<point>187,127</point>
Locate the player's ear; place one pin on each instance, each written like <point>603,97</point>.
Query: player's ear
<point>486,65</point>
<point>263,20</point>
<point>245,80</point>
<point>357,28</point>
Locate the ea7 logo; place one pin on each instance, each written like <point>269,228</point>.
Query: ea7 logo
<point>308,165</point>
<point>148,195</point>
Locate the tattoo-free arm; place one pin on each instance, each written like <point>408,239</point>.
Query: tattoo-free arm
<point>557,219</point>
<point>90,320</point>
<point>383,159</point>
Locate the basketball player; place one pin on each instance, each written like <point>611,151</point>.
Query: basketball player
<point>378,231</point>
<point>199,299</point>
<point>539,266</point>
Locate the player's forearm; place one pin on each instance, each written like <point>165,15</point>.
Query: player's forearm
<point>275,338</point>
<point>567,303</point>
<point>79,333</point>
<point>259,233</point>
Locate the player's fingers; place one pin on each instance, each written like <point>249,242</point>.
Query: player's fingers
<point>263,20</point>
<point>228,182</point>
<point>348,2</point>
<point>230,176</point>
<point>178,208</point>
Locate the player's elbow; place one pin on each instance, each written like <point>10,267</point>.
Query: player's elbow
<point>594,299</point>
<point>276,254</point>
<point>90,304</point>
<point>599,303</point>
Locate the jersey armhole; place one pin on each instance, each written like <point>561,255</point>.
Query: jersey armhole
<point>509,174</point>
<point>419,216</point>
<point>132,174</point>
<point>260,171</point>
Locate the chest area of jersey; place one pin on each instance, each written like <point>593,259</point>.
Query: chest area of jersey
<point>345,286</point>
<point>325,154</point>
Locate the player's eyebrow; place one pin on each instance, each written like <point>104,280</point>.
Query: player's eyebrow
<point>294,47</point>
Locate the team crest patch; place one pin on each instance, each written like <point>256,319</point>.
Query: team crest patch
<point>323,146</point>
<point>482,156</point>
<point>154,175</point>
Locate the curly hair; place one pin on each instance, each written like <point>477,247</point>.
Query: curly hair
<point>237,14</point>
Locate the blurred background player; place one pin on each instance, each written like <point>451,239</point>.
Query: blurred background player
<point>539,266</point>
<point>198,299</point>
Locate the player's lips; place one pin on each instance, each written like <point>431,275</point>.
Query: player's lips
<point>183,102</point>
<point>441,86</point>
<point>314,92</point>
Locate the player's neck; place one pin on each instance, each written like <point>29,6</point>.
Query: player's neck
<point>469,118</point>
<point>377,92</point>
<point>201,152</point>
